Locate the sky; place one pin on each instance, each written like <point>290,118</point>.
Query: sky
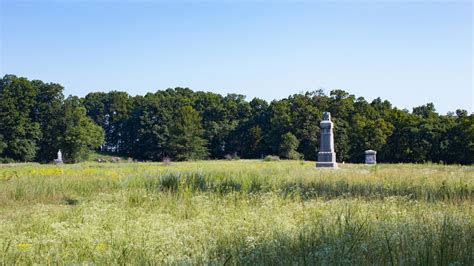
<point>410,53</point>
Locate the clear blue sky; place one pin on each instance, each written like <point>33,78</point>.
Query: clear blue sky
<point>408,53</point>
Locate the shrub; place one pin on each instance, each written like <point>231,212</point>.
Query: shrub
<point>294,155</point>
<point>232,157</point>
<point>288,146</point>
<point>270,158</point>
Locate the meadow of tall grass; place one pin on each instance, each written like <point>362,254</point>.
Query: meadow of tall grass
<point>236,212</point>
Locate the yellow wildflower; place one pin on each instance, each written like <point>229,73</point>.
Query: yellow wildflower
<point>23,246</point>
<point>101,246</point>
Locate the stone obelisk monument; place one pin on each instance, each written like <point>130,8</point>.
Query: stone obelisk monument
<point>326,154</point>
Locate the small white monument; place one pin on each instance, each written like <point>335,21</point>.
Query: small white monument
<point>370,157</point>
<point>60,157</point>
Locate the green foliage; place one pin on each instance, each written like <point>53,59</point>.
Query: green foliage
<point>20,132</point>
<point>305,124</point>
<point>270,158</point>
<point>279,124</point>
<point>35,122</point>
<point>460,140</point>
<point>288,146</point>
<point>233,126</point>
<point>3,145</point>
<point>154,127</point>
<point>186,138</point>
<point>81,133</point>
<point>111,111</point>
<point>368,134</point>
<point>148,128</point>
<point>48,114</point>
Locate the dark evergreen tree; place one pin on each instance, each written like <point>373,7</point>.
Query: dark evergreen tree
<point>111,111</point>
<point>186,136</point>
<point>148,126</point>
<point>211,106</point>
<point>280,122</point>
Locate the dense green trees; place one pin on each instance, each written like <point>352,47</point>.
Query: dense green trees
<point>48,114</point>
<point>80,133</point>
<point>110,111</point>
<point>186,138</point>
<point>18,129</point>
<point>36,121</point>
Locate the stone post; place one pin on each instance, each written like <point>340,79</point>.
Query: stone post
<point>370,157</point>
<point>326,154</point>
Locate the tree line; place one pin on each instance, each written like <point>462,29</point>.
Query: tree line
<point>179,124</point>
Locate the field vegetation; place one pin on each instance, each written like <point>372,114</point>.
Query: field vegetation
<point>236,212</point>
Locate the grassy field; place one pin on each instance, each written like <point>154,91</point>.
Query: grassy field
<point>236,212</point>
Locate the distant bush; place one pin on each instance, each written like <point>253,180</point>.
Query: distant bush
<point>294,155</point>
<point>288,146</point>
<point>6,160</point>
<point>232,157</point>
<point>270,158</point>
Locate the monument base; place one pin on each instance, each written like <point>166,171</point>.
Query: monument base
<point>327,157</point>
<point>326,165</point>
<point>326,160</point>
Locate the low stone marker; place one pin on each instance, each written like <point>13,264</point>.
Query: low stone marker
<point>370,157</point>
<point>326,154</point>
<point>60,158</point>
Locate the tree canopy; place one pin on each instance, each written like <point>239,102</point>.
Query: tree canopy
<point>36,121</point>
